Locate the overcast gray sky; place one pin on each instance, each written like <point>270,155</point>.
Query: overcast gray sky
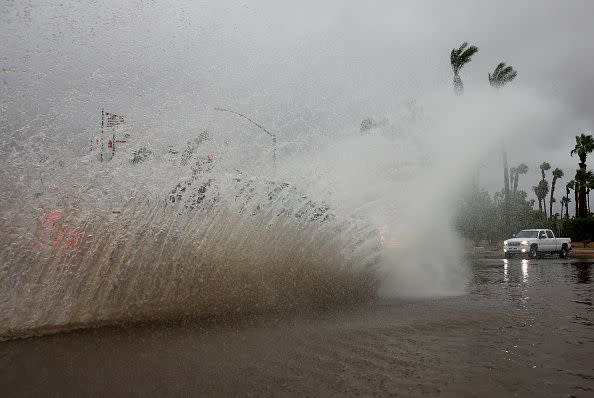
<point>298,67</point>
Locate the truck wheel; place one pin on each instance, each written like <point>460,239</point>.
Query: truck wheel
<point>563,252</point>
<point>533,252</point>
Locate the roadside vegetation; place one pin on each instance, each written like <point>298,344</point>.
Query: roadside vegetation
<point>483,216</point>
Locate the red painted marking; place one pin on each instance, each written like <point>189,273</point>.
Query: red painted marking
<point>56,234</point>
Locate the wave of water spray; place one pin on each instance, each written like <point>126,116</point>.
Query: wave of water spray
<point>176,232</point>
<point>407,176</point>
<point>215,243</point>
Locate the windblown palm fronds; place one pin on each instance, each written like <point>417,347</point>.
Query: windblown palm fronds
<point>502,75</point>
<point>458,58</point>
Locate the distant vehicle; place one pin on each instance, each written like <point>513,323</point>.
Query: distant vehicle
<point>536,242</point>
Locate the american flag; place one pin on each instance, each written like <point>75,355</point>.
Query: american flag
<point>114,120</point>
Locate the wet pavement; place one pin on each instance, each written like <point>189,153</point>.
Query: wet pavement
<point>525,328</point>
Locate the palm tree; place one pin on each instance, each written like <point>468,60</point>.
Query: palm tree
<point>544,167</point>
<point>538,194</point>
<point>580,184</point>
<point>505,172</point>
<point>557,173</point>
<point>583,178</point>
<point>541,190</point>
<point>521,169</point>
<point>458,58</point>
<point>367,124</point>
<point>551,207</point>
<point>568,187</point>
<point>584,144</point>
<point>512,175</point>
<point>502,75</point>
<point>589,187</point>
<point>576,192</point>
<point>565,202</point>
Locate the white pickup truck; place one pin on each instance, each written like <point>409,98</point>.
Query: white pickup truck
<point>536,242</point>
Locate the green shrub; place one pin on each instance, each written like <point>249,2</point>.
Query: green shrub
<point>579,229</point>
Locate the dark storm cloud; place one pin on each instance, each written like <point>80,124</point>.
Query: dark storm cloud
<point>297,66</point>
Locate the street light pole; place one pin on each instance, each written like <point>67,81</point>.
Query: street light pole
<point>274,154</point>
<point>260,127</point>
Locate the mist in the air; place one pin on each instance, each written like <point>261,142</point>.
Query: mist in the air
<point>328,206</point>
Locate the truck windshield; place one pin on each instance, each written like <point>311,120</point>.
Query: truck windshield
<point>527,234</point>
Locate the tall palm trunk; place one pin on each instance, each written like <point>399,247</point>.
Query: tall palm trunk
<point>505,173</point>
<point>583,210</point>
<point>458,85</point>
<point>552,192</point>
<point>576,193</point>
<point>544,206</point>
<point>567,192</point>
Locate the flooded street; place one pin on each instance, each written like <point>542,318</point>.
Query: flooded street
<point>524,329</point>
<point>223,198</point>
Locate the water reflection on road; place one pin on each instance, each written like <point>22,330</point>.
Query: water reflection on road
<point>525,328</point>
<point>525,270</point>
<point>578,270</point>
<point>509,266</point>
<point>583,272</point>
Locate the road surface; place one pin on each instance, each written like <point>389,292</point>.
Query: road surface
<point>525,328</point>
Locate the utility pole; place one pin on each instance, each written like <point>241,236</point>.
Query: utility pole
<point>102,122</point>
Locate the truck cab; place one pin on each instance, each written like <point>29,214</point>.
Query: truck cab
<point>536,243</point>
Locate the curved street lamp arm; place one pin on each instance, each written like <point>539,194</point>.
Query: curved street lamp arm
<point>260,127</point>
<point>247,118</point>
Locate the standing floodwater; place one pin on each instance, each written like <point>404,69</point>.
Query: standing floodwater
<point>526,328</point>
<point>223,198</point>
